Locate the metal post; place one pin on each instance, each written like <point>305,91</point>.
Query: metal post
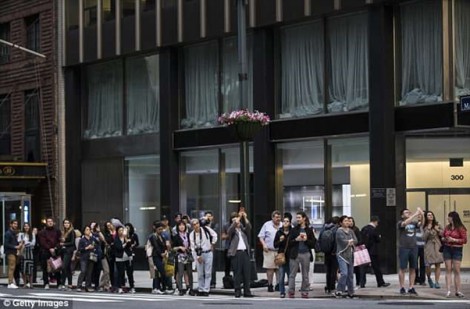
<point>244,146</point>
<point>3,236</point>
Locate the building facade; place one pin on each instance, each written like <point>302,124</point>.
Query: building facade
<point>363,97</point>
<point>28,115</point>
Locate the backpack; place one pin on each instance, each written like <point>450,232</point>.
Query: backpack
<point>326,241</point>
<point>148,247</point>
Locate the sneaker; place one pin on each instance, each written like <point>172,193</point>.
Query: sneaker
<point>448,294</point>
<point>436,285</point>
<point>132,291</point>
<point>459,295</point>
<point>402,291</point>
<point>120,291</point>
<point>283,295</point>
<point>12,286</point>
<point>157,291</point>
<point>352,296</point>
<point>78,290</point>
<point>46,287</point>
<point>412,291</point>
<point>170,291</point>
<point>28,285</point>
<point>338,294</point>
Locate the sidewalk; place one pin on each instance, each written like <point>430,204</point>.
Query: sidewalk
<point>143,284</point>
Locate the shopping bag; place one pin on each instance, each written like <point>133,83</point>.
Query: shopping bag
<point>54,264</point>
<point>361,255</point>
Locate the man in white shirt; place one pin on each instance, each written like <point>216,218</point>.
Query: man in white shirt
<point>266,237</point>
<point>239,252</point>
<point>202,241</point>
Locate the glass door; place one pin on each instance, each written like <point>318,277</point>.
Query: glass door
<point>442,203</point>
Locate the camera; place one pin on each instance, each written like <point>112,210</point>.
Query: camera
<point>203,222</point>
<point>198,251</point>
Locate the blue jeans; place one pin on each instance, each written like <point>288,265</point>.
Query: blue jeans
<point>283,270</point>
<point>347,276</point>
<point>160,278</point>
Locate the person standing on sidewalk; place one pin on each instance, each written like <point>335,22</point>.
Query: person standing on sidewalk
<point>12,246</point>
<point>67,247</point>
<point>421,267</point>
<point>266,237</point>
<point>408,250</point>
<point>432,255</point>
<point>239,252</point>
<point>345,242</point>
<point>202,240</point>
<point>301,241</point>
<point>28,238</point>
<point>159,252</point>
<point>282,242</point>
<point>49,240</point>
<point>371,239</point>
<point>454,237</point>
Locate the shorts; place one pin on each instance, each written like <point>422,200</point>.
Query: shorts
<point>453,253</point>
<point>268,259</point>
<point>408,256</point>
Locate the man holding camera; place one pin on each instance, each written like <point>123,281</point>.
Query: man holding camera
<point>239,251</point>
<point>202,240</point>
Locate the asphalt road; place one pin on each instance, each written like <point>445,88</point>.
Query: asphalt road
<point>22,298</point>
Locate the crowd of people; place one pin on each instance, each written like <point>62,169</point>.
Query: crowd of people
<point>105,257</point>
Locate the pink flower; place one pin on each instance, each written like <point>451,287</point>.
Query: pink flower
<point>243,115</point>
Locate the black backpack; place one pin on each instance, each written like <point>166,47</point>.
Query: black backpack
<point>327,240</point>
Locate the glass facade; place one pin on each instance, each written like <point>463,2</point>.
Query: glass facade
<point>421,52</point>
<point>435,182</point>
<point>462,45</point>
<point>143,187</point>
<point>210,181</point>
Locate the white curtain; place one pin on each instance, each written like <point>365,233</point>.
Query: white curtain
<point>104,100</point>
<point>421,33</point>
<point>201,85</point>
<point>348,61</point>
<point>143,95</point>
<point>462,47</point>
<point>230,82</point>
<point>302,50</point>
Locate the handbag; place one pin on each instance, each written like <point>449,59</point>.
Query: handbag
<point>361,255</point>
<point>93,257</point>
<point>54,264</point>
<point>280,258</point>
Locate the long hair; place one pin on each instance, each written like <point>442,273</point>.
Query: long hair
<point>304,215</point>
<point>30,232</point>
<point>434,222</point>
<point>455,221</point>
<point>66,233</point>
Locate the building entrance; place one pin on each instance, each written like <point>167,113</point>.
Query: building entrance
<point>443,201</point>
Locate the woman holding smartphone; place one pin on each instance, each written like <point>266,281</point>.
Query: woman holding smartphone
<point>28,238</point>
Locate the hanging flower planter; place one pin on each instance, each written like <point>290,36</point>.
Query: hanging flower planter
<point>245,123</point>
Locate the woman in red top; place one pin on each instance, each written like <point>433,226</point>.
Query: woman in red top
<point>453,238</point>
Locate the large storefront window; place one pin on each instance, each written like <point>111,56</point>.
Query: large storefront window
<point>462,45</point>
<point>104,112</point>
<point>210,181</point>
<point>302,73</point>
<point>348,63</point>
<point>303,179</point>
<point>143,186</point>
<point>350,178</point>
<point>143,95</point>
<point>438,179</point>
<point>421,52</point>
<point>201,85</point>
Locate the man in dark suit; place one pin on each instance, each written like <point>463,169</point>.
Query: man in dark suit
<point>372,239</point>
<point>239,251</point>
